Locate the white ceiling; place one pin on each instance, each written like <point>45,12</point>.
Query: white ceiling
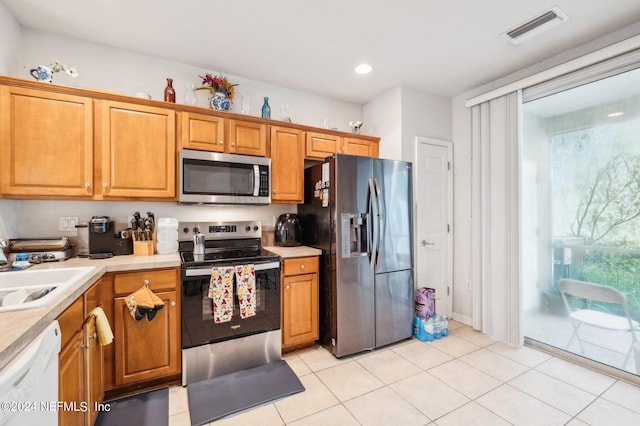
<point>441,47</point>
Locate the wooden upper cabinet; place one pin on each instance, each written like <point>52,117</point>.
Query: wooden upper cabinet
<point>137,151</point>
<point>247,138</point>
<point>216,134</point>
<point>46,143</point>
<point>362,147</point>
<point>320,146</point>
<point>202,132</point>
<point>287,165</point>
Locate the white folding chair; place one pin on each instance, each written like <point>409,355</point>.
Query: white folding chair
<point>597,293</point>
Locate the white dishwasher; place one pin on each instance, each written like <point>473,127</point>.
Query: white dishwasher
<point>29,383</point>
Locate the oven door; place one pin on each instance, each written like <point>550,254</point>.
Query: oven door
<point>198,327</point>
<point>212,178</point>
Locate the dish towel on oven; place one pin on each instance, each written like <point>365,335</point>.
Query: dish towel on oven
<point>246,287</point>
<point>221,291</point>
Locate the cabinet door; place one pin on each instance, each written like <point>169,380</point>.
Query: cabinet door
<point>361,147</point>
<point>138,145</point>
<point>300,309</point>
<point>101,294</point>
<point>202,132</point>
<point>46,143</point>
<point>320,146</point>
<point>287,165</point>
<point>147,350</point>
<point>93,369</point>
<point>247,138</point>
<point>71,382</point>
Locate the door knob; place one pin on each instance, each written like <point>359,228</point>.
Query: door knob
<point>426,243</point>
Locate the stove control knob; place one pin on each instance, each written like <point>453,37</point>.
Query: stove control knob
<point>255,228</point>
<point>196,230</point>
<point>185,230</point>
<point>248,228</point>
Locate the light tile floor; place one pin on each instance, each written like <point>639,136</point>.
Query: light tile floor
<point>466,378</point>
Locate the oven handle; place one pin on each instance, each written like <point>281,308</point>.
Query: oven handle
<point>201,272</point>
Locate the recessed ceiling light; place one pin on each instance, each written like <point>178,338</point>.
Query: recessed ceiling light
<point>615,114</point>
<point>363,69</point>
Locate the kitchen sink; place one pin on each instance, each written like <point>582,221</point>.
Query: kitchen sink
<point>36,288</point>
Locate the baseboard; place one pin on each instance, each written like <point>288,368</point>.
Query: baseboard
<point>463,319</point>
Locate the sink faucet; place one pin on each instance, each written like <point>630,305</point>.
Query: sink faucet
<point>4,263</point>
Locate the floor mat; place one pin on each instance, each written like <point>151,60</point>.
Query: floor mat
<point>218,397</point>
<point>145,409</point>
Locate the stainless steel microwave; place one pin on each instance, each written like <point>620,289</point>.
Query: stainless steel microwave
<point>212,178</point>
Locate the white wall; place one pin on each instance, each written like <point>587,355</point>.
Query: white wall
<point>9,46</point>
<point>41,218</point>
<point>461,134</point>
<point>383,116</point>
<point>403,113</point>
<point>10,41</point>
<point>105,68</point>
<point>423,114</point>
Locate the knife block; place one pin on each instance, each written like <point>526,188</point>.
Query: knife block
<point>144,247</point>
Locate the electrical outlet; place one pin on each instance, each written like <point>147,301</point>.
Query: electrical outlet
<point>67,223</point>
<point>73,221</point>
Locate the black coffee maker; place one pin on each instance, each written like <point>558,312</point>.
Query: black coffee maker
<point>101,239</point>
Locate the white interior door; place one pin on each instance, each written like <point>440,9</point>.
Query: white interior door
<point>434,215</point>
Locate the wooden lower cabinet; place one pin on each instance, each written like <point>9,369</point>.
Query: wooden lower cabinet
<point>147,350</point>
<point>299,302</point>
<point>71,385</point>
<point>80,371</point>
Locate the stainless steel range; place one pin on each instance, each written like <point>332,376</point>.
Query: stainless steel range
<point>210,348</point>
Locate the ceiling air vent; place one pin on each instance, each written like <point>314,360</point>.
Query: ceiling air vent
<point>535,26</point>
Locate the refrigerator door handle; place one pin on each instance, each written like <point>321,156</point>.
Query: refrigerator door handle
<point>374,224</point>
<point>379,217</point>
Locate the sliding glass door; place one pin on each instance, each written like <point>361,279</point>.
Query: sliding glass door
<point>580,177</point>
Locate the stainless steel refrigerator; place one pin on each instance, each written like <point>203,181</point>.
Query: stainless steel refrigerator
<point>358,211</point>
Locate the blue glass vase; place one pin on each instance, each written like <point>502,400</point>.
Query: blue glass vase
<point>266,109</point>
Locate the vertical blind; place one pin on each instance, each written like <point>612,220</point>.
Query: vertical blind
<point>495,218</point>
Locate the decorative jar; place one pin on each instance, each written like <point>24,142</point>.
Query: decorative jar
<point>220,102</point>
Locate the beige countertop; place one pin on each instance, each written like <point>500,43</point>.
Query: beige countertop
<point>298,251</point>
<point>20,327</point>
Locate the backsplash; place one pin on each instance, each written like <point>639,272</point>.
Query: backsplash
<point>40,218</point>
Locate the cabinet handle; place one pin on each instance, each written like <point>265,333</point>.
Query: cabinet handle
<point>233,144</point>
<point>286,287</point>
<point>221,143</point>
<point>145,282</point>
<point>302,266</point>
<point>87,185</point>
<point>275,191</point>
<point>172,303</point>
<point>105,185</point>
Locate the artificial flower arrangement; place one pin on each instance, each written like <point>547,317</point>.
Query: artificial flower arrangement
<point>355,126</point>
<point>58,66</point>
<point>218,84</point>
